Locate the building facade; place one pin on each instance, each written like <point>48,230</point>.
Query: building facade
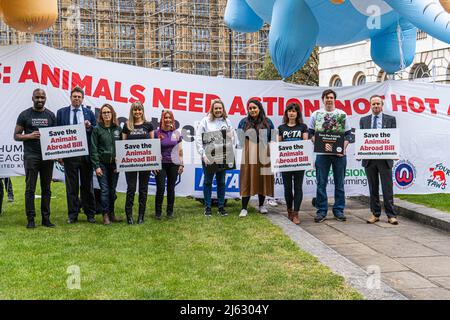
<point>186,36</point>
<point>351,65</point>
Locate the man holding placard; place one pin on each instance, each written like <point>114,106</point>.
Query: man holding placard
<point>378,168</point>
<point>331,135</point>
<point>78,171</point>
<point>27,130</point>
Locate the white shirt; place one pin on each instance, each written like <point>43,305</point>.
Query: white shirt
<point>80,115</point>
<point>207,125</point>
<point>379,121</point>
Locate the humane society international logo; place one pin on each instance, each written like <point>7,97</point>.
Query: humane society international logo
<point>404,174</point>
<point>438,178</point>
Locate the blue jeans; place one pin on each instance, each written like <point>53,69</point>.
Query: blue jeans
<point>108,184</point>
<point>323,164</point>
<point>208,186</point>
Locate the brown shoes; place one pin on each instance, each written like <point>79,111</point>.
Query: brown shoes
<point>106,220</point>
<point>373,219</point>
<point>289,214</point>
<point>113,218</point>
<point>393,221</point>
<point>295,218</point>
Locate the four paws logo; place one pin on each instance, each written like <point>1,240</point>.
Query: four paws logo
<point>438,178</point>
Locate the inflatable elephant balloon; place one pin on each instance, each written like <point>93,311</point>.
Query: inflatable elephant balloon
<point>296,26</point>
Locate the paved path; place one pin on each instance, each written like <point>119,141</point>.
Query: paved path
<point>413,259</point>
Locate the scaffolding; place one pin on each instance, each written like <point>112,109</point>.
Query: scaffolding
<point>187,36</point>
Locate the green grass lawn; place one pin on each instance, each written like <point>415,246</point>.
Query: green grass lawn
<point>439,201</point>
<point>189,257</point>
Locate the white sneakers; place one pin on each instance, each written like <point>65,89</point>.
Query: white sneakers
<point>272,202</point>
<point>263,210</point>
<point>243,213</point>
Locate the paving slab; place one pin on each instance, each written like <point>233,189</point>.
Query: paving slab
<point>406,280</point>
<point>385,264</point>
<point>427,294</point>
<point>428,266</point>
<point>353,249</point>
<point>402,248</point>
<point>442,281</point>
<point>440,246</point>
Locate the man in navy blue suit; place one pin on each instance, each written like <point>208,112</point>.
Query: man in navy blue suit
<point>78,170</point>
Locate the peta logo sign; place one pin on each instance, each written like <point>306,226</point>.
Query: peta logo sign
<point>231,180</point>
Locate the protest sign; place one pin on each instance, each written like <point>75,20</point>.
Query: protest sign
<point>63,142</point>
<point>138,155</point>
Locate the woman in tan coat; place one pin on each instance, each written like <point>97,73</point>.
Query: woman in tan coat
<point>255,133</point>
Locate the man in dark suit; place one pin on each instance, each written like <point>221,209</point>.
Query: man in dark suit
<point>379,169</point>
<point>78,170</point>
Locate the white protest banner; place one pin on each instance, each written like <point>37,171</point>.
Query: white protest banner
<point>377,144</point>
<point>422,111</point>
<point>138,155</point>
<point>291,155</point>
<point>63,142</point>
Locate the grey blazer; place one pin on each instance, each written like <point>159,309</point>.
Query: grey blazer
<point>387,121</point>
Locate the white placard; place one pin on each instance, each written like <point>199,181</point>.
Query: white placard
<point>138,155</point>
<point>291,155</point>
<point>377,144</point>
<point>63,142</point>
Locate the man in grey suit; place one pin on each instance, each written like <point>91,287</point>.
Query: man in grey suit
<point>379,169</point>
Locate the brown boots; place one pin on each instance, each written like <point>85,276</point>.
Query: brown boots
<point>293,216</point>
<point>106,220</point>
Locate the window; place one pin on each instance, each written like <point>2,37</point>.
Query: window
<point>263,42</point>
<point>87,4</point>
<point>166,6</point>
<point>419,71</point>
<point>201,8</point>
<point>125,5</point>
<point>239,43</point>
<point>240,72</point>
<point>382,76</point>
<point>335,81</point>
<point>202,69</point>
<point>359,79</point>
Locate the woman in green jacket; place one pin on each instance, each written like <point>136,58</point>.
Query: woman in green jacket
<point>103,157</point>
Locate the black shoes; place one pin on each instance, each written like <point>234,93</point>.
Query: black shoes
<point>222,212</point>
<point>140,219</point>
<point>31,224</point>
<point>208,212</point>
<point>319,219</point>
<point>47,223</point>
<point>73,220</point>
<point>341,218</point>
<point>130,219</point>
<point>91,219</point>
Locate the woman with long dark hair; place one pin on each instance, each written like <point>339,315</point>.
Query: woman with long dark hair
<point>137,127</point>
<point>255,134</point>
<point>172,163</point>
<point>103,157</point>
<point>293,129</point>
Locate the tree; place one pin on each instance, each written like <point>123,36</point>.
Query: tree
<point>308,75</point>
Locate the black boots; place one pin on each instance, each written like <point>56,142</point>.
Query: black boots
<point>130,219</point>
<point>47,223</point>
<point>140,219</point>
<point>31,224</point>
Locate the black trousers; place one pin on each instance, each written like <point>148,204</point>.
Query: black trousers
<point>2,193</point>
<point>297,197</point>
<point>170,172</point>
<point>33,169</point>
<point>132,178</point>
<point>379,170</point>
<point>79,173</point>
<point>9,187</point>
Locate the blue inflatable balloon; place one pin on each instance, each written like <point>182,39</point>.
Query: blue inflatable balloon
<point>298,25</point>
<point>290,50</point>
<point>243,19</point>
